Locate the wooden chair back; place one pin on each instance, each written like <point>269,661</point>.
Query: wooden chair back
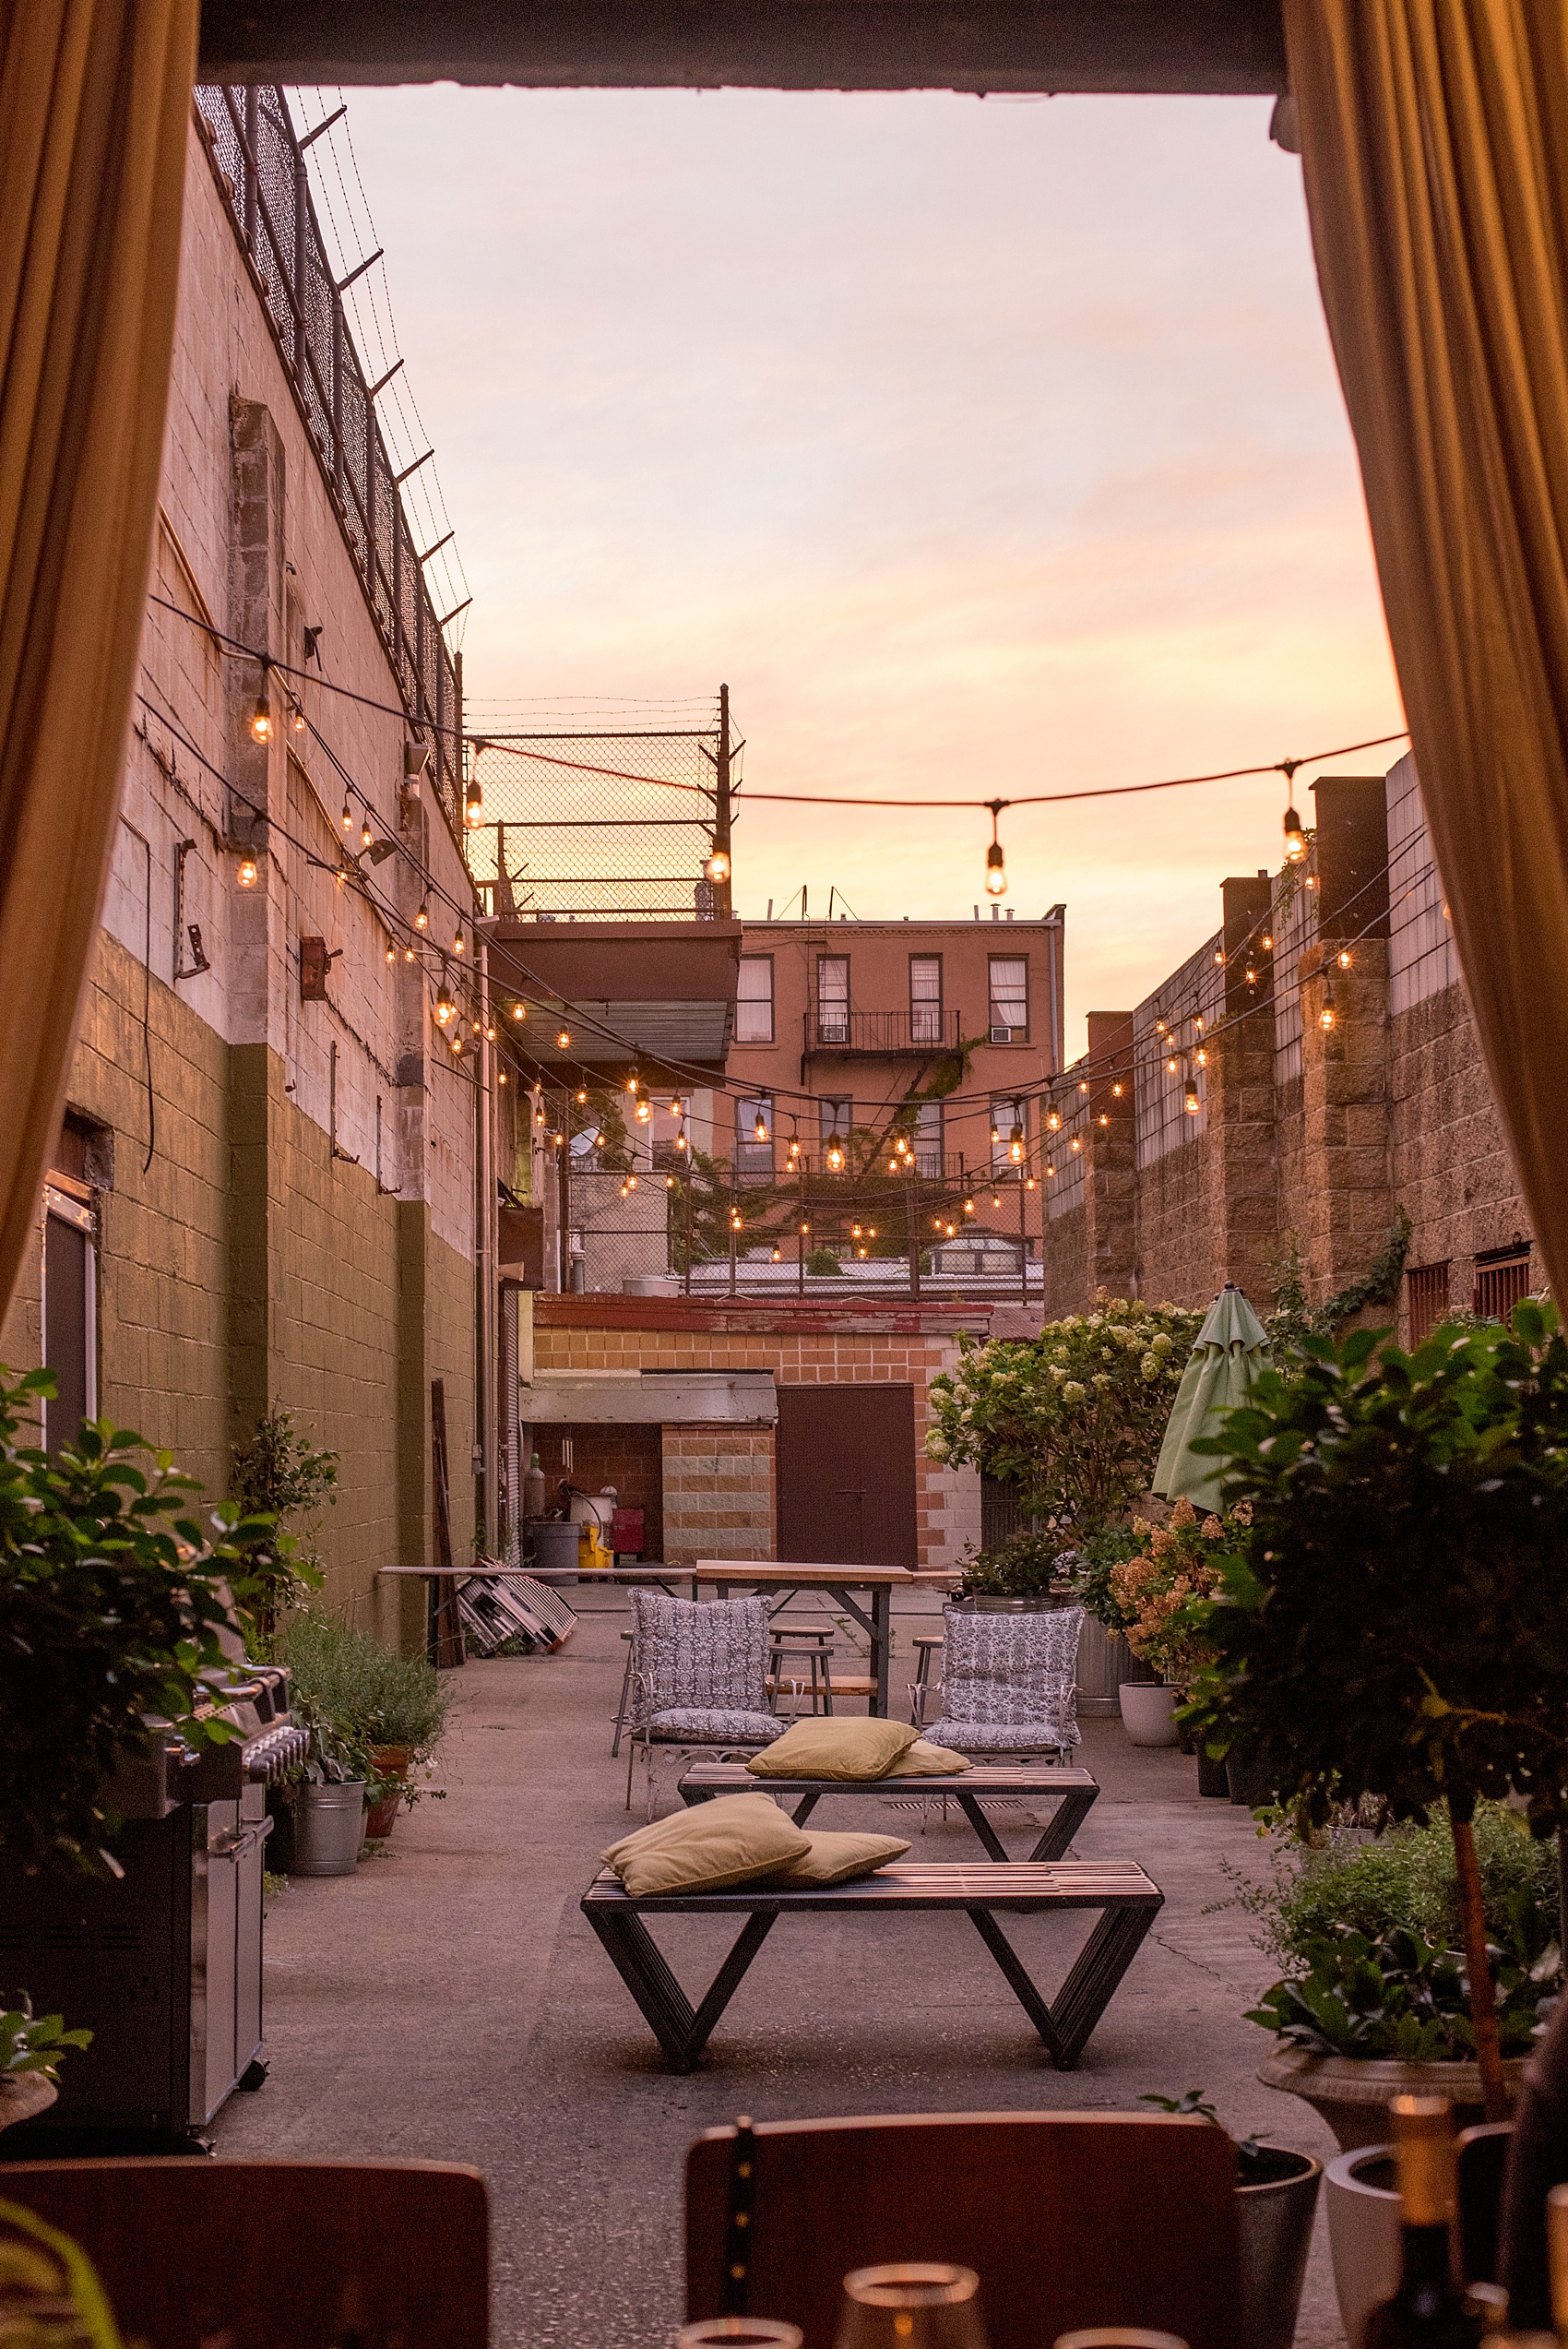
<point>275,2255</point>
<point>1069,2219</point>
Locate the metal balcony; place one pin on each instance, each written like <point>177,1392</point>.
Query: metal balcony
<point>882,1035</point>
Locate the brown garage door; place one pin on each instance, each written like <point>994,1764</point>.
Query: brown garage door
<point>845,1461</point>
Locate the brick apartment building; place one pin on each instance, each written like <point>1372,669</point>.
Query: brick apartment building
<point>1310,1071</point>
<point>265,1189</point>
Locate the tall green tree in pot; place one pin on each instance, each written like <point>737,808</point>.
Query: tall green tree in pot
<point>1394,1624</point>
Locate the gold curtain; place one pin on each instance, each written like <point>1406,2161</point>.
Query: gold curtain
<point>95,99</point>
<point>1434,137</point>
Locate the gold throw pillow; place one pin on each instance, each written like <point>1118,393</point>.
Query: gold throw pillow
<point>828,1747</point>
<point>707,1847</point>
<point>923,1759</point>
<point>836,1859</point>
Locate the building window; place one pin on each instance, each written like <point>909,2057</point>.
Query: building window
<point>70,1315</point>
<point>833,998</point>
<point>1009,1123</point>
<point>927,1138</point>
<point>1426,1292</point>
<point>925,998</point>
<point>1503,1278</point>
<point>753,1121</point>
<point>753,1001</point>
<point>837,1118</point>
<point>1009,999</point>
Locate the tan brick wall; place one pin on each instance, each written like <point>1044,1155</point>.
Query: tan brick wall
<point>1453,1171</point>
<point>946,1500</point>
<point>718,1494</point>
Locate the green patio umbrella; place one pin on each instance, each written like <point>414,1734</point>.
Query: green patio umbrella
<point>1230,1351</point>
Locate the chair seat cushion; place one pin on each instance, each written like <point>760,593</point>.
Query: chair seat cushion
<point>835,1746</point>
<point>1004,1736</point>
<point>710,1846</point>
<point>692,1724</point>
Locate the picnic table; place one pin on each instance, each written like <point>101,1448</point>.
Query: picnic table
<point>1077,1790</point>
<point>1128,1899</point>
<point>786,1579</point>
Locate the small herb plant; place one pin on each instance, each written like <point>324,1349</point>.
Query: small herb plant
<point>360,1698</point>
<point>35,2042</point>
<point>113,1598</point>
<point>1194,2105</point>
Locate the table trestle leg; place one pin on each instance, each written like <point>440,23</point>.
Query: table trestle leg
<point>681,2029</point>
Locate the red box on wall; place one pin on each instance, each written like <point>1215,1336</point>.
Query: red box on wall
<point>626,1532</point>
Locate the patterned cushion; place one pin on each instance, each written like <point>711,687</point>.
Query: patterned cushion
<point>707,1657</point>
<point>689,1724</point>
<point>1011,1736</point>
<point>1009,1680</point>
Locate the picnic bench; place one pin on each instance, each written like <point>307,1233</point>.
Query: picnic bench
<point>1078,1790</point>
<point>1128,1899</point>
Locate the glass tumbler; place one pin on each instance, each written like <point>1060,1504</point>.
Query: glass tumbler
<point>917,2304</point>
<point>739,2332</point>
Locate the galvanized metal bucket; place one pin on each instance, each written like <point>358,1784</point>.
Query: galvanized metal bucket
<point>328,1828</point>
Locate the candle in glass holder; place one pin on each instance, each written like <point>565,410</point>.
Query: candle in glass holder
<point>1118,2336</point>
<point>917,2304</point>
<point>739,2332</point>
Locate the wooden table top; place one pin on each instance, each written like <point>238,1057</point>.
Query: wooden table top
<point>726,1570</point>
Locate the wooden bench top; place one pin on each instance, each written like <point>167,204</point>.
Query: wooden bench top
<point>983,1778</point>
<point>913,1884</point>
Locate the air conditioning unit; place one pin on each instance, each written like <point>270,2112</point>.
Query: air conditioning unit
<point>1001,1036</point>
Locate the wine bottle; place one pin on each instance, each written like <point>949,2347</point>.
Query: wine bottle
<point>1426,2311</point>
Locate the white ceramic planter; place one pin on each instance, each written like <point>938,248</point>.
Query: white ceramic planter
<point>1363,2232</point>
<point>1147,1707</point>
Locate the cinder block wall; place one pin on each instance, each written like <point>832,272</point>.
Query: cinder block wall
<point>718,1494</point>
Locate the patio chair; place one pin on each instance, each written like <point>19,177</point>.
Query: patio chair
<point>698,1678</point>
<point>276,2254</point>
<point>1070,2219</point>
<point>1009,1683</point>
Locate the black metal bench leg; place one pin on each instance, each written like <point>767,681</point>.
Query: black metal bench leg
<point>1021,1982</point>
<point>969,1805</point>
<point>680,2030</point>
<point>1097,1974</point>
<point>1064,1822</point>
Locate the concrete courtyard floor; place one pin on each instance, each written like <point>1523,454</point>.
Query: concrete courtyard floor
<point>449,2001</point>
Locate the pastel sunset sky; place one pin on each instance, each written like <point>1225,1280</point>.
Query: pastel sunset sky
<point>982,447</point>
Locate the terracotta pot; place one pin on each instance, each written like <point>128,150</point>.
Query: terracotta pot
<point>1147,1710</point>
<point>1352,2093</point>
<point>391,1761</point>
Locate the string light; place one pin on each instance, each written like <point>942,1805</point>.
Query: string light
<point>734,1220</point>
<point>1075,1143</point>
<point>490,1034</point>
<point>634,1083</point>
<point>473,802</point>
<point>247,873</point>
<point>1030,1183</point>
<point>677,1106</point>
<point>643,1109</point>
<point>870,1231</point>
<point>261,721</point>
<point>445,1010</point>
<point>564,1039</point>
<point>408,954</point>
<point>805,1229</point>
<point>1049,1170</point>
<point>391,953</point>
<point>1054,1120</point>
<point>456,1041</point>
<point>1267,942</point>
<point>778,1256</point>
<point>1326,1016</point>
<point>680,1142</point>
<point>1016,1146</point>
<point>669,1182</point>
<point>854,1230</point>
<point>519,1011</point>
<point>1251,976</point>
<point>1201,1056</point>
<point>1343,958</point>
<point>995,863</point>
<point>299,720</point>
<point>760,1128</point>
<point>968,1207</point>
<point>716,866</point>
<point>421,919</point>
<point>1189,1101</point>
<point>996,1199</point>
<point>1082,1087</point>
<point>1295,837</point>
<point>1172,1064</point>
<point>367,835</point>
<point>1118,1088</point>
<point>347,815</point>
<point>836,1155</point>
<point>457,941</point>
<point>1103,1118</point>
<point>1159,1027</point>
<point>501,1075</point>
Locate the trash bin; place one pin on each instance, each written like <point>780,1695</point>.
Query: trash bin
<point>554,1548</point>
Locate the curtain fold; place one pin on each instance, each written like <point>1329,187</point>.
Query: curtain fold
<point>1434,138</point>
<point>95,99</point>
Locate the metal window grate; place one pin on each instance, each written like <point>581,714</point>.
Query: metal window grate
<point>1166,1027</point>
<point>262,169</point>
<point>1501,1283</point>
<point>1426,1296</point>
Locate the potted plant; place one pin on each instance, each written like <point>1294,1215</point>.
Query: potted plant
<point>380,1715</point>
<point>1024,1574</point>
<point>1276,2201</point>
<point>31,2049</point>
<point>279,1476</point>
<point>1393,1625</point>
<point>1173,1563</point>
<point>1105,1661</point>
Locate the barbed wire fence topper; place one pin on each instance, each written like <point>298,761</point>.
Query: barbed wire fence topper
<point>578,817</point>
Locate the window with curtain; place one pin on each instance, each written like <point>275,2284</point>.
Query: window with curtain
<point>754,1155</point>
<point>754,1000</point>
<point>926,1139</point>
<point>925,998</point>
<point>1009,999</point>
<point>833,998</point>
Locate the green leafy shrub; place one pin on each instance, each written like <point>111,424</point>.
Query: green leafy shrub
<point>1074,1417</point>
<point>1091,1566</point>
<point>278,1473</point>
<point>111,1601</point>
<point>824,1262</point>
<point>36,2043</point>
<point>359,1697</point>
<point>1402,1996</point>
<point>1024,1568</point>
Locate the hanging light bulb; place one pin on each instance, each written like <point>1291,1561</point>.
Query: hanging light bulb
<point>760,1128</point>
<point>680,1142</point>
<point>408,954</point>
<point>735,1220</point>
<point>1159,1027</point>
<point>624,1192</point>
<point>1198,1021</point>
<point>716,866</point>
<point>1118,1089</point>
<point>457,940</point>
<point>490,1033</point>
<point>1075,1143</point>
<point>261,721</point>
<point>501,1075</point>
<point>1083,1085</point>
<point>391,953</point>
<point>968,1207</point>
<point>669,1182</point>
<point>582,1095</point>
<point>854,1230</point>
<point>995,1131</point>
<point>247,872</point>
<point>996,1199</point>
<point>1251,976</point>
<point>937,1222</point>
<point>995,863</point>
<point>1172,1064</point>
<point>1030,1184</point>
<point>1201,1056</point>
<point>1054,1121</point>
<point>631,1181</point>
<point>1016,1146</point>
<point>421,919</point>
<point>1189,1101</point>
<point>805,1229</point>
<point>456,1042</point>
<point>347,815</point>
<point>643,1109</point>
<point>870,1231</point>
<point>778,1256</point>
<point>634,1083</point>
<point>1103,1119</point>
<point>1326,1016</point>
<point>836,1155</point>
<point>1343,958</point>
<point>562,1040</point>
<point>367,835</point>
<point>473,802</point>
<point>519,1011</point>
<point>860,1251</point>
<point>476,1028</point>
<point>1049,1170</point>
<point>299,720</point>
<point>1267,942</point>
<point>677,1106</point>
<point>893,1166</point>
<point>1295,837</point>
<point>445,1010</point>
